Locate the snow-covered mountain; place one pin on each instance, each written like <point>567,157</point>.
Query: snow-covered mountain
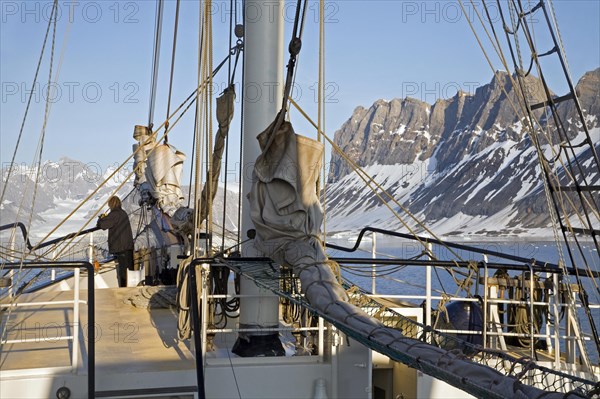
<point>464,165</point>
<point>64,184</point>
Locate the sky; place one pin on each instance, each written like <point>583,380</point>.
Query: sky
<point>374,49</point>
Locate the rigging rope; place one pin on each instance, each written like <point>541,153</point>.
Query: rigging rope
<point>39,151</point>
<point>239,33</point>
<point>560,128</point>
<point>562,132</point>
<point>230,81</point>
<point>370,182</point>
<point>175,28</point>
<point>209,122</point>
<point>240,160</point>
<point>321,115</point>
<point>523,107</point>
<point>191,99</point>
<point>37,70</point>
<point>541,157</point>
<point>156,59</point>
<point>294,49</point>
<point>199,138</point>
<point>51,22</point>
<point>44,125</point>
<point>547,172</point>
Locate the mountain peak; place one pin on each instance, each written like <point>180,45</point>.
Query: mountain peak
<point>400,131</point>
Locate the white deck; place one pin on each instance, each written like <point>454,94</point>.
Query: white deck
<point>137,355</point>
<point>131,345</point>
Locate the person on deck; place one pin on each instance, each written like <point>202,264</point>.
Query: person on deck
<point>120,238</point>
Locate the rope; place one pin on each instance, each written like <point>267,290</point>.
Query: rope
<point>44,125</point>
<point>198,138</point>
<point>294,48</point>
<point>498,50</point>
<point>215,71</point>
<point>321,113</point>
<point>37,70</point>
<point>184,328</point>
<point>240,161</point>
<point>22,202</point>
<point>39,151</point>
<point>209,119</point>
<point>565,65</point>
<point>230,81</point>
<point>540,153</point>
<point>529,124</point>
<point>172,65</point>
<point>156,59</point>
<point>547,172</point>
<point>192,164</point>
<point>374,187</point>
<point>562,130</point>
<point>519,315</point>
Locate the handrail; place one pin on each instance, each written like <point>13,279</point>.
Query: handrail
<point>23,229</point>
<point>21,226</point>
<point>66,237</point>
<point>434,241</point>
<point>91,349</point>
<point>445,263</point>
<point>48,283</point>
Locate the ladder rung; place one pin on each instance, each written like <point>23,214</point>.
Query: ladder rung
<point>551,51</point>
<point>555,100</point>
<point>581,188</point>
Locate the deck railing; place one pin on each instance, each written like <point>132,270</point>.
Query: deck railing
<point>77,266</point>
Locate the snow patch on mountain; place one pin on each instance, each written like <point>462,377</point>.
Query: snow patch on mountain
<point>464,166</point>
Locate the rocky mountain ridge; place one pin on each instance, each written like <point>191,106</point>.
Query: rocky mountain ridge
<point>455,163</point>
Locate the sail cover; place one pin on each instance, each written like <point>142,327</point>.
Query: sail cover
<point>286,211</point>
<point>158,169</point>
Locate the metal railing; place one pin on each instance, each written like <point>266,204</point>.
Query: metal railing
<point>490,298</point>
<point>91,348</point>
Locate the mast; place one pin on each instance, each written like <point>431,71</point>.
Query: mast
<point>263,80</point>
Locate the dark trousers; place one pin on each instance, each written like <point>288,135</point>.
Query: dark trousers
<point>124,262</point>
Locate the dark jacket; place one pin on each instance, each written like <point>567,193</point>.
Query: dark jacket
<point>120,237</point>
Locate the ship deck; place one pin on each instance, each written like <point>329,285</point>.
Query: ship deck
<point>130,342</point>
<point>137,353</point>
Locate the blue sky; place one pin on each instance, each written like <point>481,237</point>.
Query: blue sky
<point>374,49</point>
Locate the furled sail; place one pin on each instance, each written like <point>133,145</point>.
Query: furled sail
<point>224,117</point>
<point>158,170</point>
